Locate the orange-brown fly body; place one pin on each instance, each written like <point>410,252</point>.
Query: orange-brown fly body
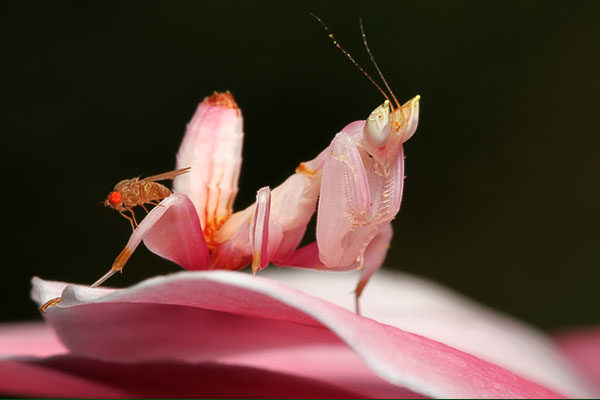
<point>134,192</point>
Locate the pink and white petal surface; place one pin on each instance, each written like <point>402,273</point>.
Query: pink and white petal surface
<point>276,316</point>
<point>426,308</point>
<point>582,348</point>
<point>336,364</point>
<point>259,344</point>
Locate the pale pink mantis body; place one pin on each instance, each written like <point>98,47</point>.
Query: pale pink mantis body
<point>357,181</point>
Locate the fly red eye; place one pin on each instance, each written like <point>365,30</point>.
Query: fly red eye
<point>114,197</point>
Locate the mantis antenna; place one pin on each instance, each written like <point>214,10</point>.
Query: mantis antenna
<point>336,43</point>
<point>364,38</point>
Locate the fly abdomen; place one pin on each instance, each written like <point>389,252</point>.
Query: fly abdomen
<point>152,191</point>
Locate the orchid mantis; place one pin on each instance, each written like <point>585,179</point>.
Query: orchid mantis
<point>354,185</point>
<point>356,181</point>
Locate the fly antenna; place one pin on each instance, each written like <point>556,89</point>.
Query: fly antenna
<point>335,42</point>
<point>364,38</point>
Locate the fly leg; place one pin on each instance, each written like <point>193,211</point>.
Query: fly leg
<point>131,219</point>
<point>155,202</point>
<point>133,216</point>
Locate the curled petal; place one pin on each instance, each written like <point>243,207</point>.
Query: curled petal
<point>109,325</point>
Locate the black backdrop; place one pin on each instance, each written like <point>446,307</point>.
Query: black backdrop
<point>501,199</point>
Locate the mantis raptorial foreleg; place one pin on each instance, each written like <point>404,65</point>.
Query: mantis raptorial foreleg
<point>175,222</point>
<point>344,200</point>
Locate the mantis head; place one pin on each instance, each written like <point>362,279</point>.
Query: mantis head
<point>389,125</point>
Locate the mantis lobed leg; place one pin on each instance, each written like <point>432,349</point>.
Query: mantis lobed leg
<point>172,231</point>
<point>259,230</point>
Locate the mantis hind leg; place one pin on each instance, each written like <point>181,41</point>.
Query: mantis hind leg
<point>373,259</point>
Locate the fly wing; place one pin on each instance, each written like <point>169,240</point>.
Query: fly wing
<point>166,175</point>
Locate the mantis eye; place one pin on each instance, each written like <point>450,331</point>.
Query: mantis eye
<point>377,128</point>
<point>114,197</point>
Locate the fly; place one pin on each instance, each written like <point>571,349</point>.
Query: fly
<point>134,192</point>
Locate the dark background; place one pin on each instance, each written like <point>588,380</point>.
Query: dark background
<point>501,198</point>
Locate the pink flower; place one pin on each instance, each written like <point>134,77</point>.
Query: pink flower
<point>228,334</point>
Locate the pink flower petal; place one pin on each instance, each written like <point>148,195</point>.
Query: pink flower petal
<point>582,347</point>
<point>425,308</point>
<point>343,368</point>
<point>236,314</point>
<point>76,376</point>
<point>29,339</point>
<point>27,378</point>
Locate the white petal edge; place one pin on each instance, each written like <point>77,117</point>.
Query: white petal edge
<point>421,306</point>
